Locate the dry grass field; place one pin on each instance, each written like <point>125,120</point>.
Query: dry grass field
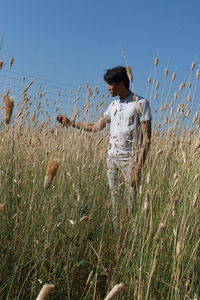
<point>56,223</point>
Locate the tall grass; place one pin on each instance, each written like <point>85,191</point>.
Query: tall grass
<point>64,235</point>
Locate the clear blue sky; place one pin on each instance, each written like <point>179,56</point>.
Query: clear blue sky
<point>74,42</point>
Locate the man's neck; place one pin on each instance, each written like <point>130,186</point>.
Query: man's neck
<point>124,94</point>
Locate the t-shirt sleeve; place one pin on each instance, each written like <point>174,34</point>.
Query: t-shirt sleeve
<point>145,111</point>
<point>107,113</point>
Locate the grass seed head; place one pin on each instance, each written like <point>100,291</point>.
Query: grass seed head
<point>11,61</point>
<point>115,291</point>
<point>51,171</point>
<point>8,109</point>
<point>149,80</point>
<point>193,65</point>
<point>156,61</point>
<point>181,86</point>
<point>129,73</point>
<point>179,248</point>
<point>157,84</point>
<point>1,64</point>
<point>45,292</point>
<point>166,72</point>
<point>173,76</point>
<point>197,74</point>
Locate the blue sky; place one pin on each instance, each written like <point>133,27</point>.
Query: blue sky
<point>74,42</point>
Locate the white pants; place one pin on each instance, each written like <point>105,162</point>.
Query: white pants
<point>124,165</point>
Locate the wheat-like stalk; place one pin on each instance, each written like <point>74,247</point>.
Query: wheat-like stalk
<point>51,171</point>
<point>46,290</point>
<point>8,109</point>
<point>129,73</point>
<point>115,291</point>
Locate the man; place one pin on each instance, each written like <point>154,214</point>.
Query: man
<point>130,133</point>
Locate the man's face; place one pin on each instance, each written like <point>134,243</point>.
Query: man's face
<point>113,88</point>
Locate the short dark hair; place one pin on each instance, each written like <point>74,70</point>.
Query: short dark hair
<point>116,75</point>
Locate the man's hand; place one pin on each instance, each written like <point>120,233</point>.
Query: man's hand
<point>135,174</point>
<point>63,120</point>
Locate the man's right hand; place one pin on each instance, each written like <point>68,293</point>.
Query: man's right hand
<point>63,120</point>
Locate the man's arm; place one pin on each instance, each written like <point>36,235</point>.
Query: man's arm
<point>146,133</point>
<point>91,127</point>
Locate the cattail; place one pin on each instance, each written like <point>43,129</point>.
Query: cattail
<point>46,290</point>
<point>149,80</point>
<point>166,72</point>
<point>156,60</point>
<point>129,73</point>
<point>197,74</point>
<point>157,85</point>
<point>8,109</point>
<point>51,171</point>
<point>115,291</point>
<point>11,61</point>
<point>1,64</point>
<point>193,65</point>
<point>2,207</point>
<point>173,76</point>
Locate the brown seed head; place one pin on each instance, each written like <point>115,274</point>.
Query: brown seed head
<point>149,79</point>
<point>193,65</point>
<point>46,290</point>
<point>175,95</point>
<point>173,76</point>
<point>157,84</point>
<point>8,109</point>
<point>115,291</point>
<point>129,73</point>
<point>181,86</point>
<point>156,60</point>
<point>11,61</point>
<point>197,74</point>
<point>1,64</point>
<point>166,72</point>
<point>51,171</point>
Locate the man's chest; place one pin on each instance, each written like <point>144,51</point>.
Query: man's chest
<point>124,113</point>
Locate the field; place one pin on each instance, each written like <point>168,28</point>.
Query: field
<point>64,235</point>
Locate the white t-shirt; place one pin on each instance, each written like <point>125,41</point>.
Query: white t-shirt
<point>125,117</point>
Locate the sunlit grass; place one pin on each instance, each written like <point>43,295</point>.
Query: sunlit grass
<point>64,235</point>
